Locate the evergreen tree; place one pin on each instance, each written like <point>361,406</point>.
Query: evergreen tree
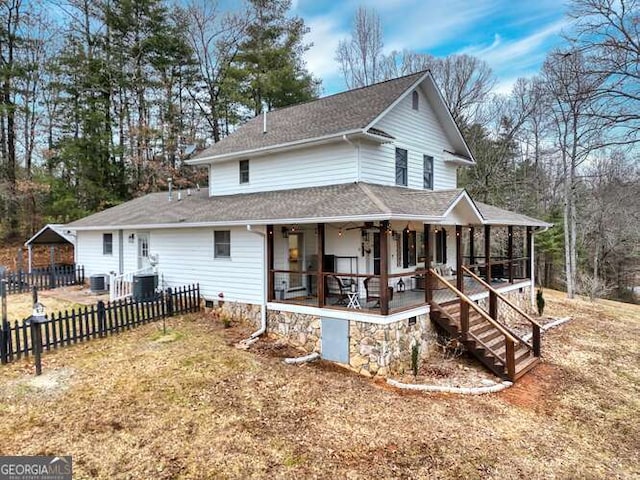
<point>269,68</point>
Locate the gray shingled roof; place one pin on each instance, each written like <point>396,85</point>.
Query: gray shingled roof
<point>499,216</point>
<point>327,116</point>
<point>343,201</point>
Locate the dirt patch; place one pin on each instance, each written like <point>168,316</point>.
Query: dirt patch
<point>30,387</point>
<point>536,390</point>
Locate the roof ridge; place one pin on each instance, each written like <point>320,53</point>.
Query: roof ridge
<point>421,72</point>
<point>378,202</point>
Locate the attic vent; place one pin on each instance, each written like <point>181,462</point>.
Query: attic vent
<point>415,99</point>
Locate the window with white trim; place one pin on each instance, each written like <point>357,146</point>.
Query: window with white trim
<point>402,175</point>
<point>428,172</point>
<point>107,243</point>
<point>244,171</point>
<point>222,244</point>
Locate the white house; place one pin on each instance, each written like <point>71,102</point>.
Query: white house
<point>312,208</point>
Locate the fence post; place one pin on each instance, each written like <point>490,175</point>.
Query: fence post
<point>169,298</point>
<point>5,332</point>
<point>34,292</point>
<point>101,319</point>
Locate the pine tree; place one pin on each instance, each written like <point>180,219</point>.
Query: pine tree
<point>269,68</point>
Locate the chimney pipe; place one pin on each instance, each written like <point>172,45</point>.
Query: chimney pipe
<point>170,181</point>
<point>179,194</point>
<point>188,192</point>
<point>264,120</point>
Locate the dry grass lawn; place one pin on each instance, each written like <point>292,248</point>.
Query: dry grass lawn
<point>142,405</point>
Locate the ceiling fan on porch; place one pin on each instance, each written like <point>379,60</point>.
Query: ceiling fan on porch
<point>365,226</point>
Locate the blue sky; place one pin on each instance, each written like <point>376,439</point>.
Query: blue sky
<point>512,36</point>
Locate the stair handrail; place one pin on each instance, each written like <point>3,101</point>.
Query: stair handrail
<point>501,297</point>
<point>479,310</point>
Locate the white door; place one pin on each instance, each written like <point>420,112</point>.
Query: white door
<point>143,250</point>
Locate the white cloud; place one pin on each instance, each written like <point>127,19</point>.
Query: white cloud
<point>521,53</point>
<point>325,34</point>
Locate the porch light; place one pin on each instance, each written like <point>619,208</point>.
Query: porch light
<point>285,232</point>
<point>132,237</point>
<point>407,229</point>
<point>400,286</point>
<point>340,232</point>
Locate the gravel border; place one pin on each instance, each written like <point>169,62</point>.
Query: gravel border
<point>444,389</point>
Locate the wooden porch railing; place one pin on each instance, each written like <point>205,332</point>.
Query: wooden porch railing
<point>511,339</point>
<point>494,295</point>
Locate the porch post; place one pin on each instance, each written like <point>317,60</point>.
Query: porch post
<point>271,294</point>
<point>472,253</point>
<point>320,268</point>
<point>530,267</point>
<point>428,247</point>
<point>493,299</point>
<point>459,261</point>
<point>510,252</point>
<point>529,252</point>
<point>487,252</point>
<point>384,268</point>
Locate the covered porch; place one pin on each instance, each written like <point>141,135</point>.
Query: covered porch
<point>343,266</point>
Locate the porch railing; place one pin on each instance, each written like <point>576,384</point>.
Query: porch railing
<point>121,286</point>
<point>349,290</point>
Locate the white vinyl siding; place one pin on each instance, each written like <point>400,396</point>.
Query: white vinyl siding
<point>89,248</point>
<point>186,256</point>
<point>327,164</point>
<point>420,133</point>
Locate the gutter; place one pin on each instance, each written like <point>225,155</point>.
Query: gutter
<point>263,306</point>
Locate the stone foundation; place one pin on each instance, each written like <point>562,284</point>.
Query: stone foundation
<point>301,330</point>
<point>373,349</point>
<point>383,349</point>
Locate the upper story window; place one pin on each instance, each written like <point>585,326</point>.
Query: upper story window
<point>428,172</point>
<point>415,100</point>
<point>401,167</point>
<point>222,244</point>
<point>244,171</point>
<point>107,243</point>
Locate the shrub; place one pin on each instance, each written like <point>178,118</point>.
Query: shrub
<point>415,352</point>
<point>540,302</point>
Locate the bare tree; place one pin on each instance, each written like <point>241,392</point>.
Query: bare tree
<point>465,81</point>
<point>360,57</point>
<point>577,117</point>
<point>608,32</point>
<point>215,37</point>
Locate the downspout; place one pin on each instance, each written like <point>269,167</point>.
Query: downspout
<point>263,307</point>
<point>357,149</point>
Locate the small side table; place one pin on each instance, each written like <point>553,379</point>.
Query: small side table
<point>354,301</point>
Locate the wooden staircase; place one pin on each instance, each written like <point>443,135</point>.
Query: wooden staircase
<point>498,348</point>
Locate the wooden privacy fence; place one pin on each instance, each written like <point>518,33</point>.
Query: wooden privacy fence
<point>43,278</point>
<point>67,328</point>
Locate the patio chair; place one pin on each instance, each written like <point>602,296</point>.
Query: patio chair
<point>372,288</point>
<point>336,287</point>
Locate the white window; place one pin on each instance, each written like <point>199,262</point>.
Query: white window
<point>244,171</point>
<point>428,172</point>
<point>402,176</point>
<point>107,243</point>
<point>222,244</point>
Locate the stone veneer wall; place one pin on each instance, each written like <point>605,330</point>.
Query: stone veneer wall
<point>373,349</point>
<point>384,349</point>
